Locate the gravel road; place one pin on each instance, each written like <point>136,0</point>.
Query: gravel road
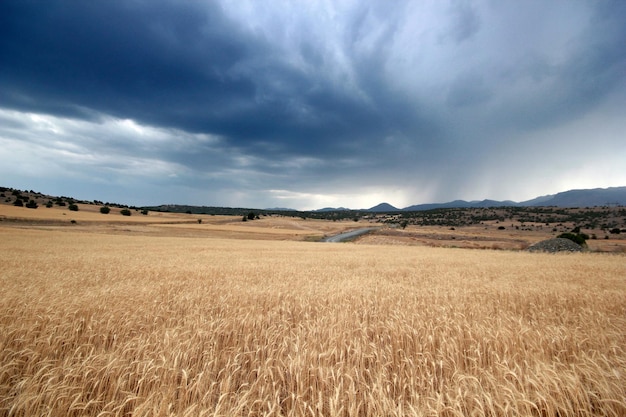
<point>348,235</point>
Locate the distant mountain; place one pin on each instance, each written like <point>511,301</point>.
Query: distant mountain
<point>538,201</point>
<point>333,209</point>
<point>572,198</point>
<point>279,209</point>
<point>582,198</point>
<point>383,208</point>
<point>460,204</point>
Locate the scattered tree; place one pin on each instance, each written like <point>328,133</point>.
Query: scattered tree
<point>105,210</point>
<point>73,207</point>
<point>125,212</point>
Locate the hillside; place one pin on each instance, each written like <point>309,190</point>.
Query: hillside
<point>471,227</point>
<point>597,197</point>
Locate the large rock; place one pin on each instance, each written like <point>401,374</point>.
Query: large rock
<point>556,245</point>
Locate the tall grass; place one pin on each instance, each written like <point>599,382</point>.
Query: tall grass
<point>96,325</point>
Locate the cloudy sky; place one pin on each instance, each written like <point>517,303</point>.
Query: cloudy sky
<point>309,104</point>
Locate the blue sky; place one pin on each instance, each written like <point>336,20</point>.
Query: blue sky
<point>308,104</point>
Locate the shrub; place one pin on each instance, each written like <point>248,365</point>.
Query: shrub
<point>18,203</point>
<point>615,231</point>
<point>576,238</point>
<point>49,204</point>
<point>73,207</point>
<point>125,212</point>
<point>144,212</point>
<point>32,204</point>
<point>105,210</point>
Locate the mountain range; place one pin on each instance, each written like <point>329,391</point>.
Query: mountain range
<point>572,198</point>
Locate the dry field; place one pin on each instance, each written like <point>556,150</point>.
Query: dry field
<point>89,220</point>
<point>135,324</point>
<point>486,236</point>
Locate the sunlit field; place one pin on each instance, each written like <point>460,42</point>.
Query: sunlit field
<point>98,324</point>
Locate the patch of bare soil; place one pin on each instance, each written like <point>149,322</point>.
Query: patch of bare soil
<point>470,237</point>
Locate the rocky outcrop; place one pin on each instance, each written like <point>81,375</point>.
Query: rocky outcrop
<point>556,245</point>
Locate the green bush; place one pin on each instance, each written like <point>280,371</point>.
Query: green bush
<point>105,210</point>
<point>18,203</point>
<point>32,204</point>
<point>125,212</point>
<point>574,237</point>
<point>73,207</point>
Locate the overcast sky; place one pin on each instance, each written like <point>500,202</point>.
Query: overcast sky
<point>309,104</point>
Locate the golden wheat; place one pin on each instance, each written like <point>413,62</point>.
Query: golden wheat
<point>110,325</point>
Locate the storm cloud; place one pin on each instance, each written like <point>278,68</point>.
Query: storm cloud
<point>307,104</point>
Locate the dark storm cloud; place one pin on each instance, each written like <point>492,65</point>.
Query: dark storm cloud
<point>183,65</point>
<point>308,95</point>
<point>119,57</point>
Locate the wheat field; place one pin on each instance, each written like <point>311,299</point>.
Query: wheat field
<point>116,325</point>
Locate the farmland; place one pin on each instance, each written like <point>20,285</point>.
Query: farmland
<point>172,317</point>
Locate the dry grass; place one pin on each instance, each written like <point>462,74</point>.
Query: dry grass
<point>106,325</point>
<point>89,220</point>
<point>86,213</point>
